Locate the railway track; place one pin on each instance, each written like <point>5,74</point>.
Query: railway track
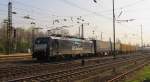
<point>120,73</point>
<point>11,58</point>
<point>17,58</point>
<point>122,76</point>
<point>34,69</point>
<point>72,74</point>
<point>12,63</point>
<point>14,60</point>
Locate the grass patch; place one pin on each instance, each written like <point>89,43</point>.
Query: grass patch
<point>141,75</point>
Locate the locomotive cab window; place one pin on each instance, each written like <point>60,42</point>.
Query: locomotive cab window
<point>41,41</point>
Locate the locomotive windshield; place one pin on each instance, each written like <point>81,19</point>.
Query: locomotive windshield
<point>41,41</point>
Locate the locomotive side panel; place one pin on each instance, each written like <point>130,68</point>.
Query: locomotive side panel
<point>73,47</point>
<point>65,47</point>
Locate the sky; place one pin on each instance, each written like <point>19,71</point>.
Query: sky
<point>97,17</point>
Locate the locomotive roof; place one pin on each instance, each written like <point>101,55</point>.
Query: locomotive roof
<point>71,39</point>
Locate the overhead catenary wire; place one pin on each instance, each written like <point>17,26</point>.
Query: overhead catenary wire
<point>87,10</point>
<point>26,5</point>
<point>74,5</point>
<point>124,6</point>
<point>84,9</point>
<point>34,7</point>
<point>28,10</point>
<point>69,3</point>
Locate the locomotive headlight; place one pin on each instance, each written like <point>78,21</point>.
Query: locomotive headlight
<point>50,48</point>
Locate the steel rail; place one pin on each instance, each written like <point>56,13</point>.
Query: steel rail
<point>71,72</point>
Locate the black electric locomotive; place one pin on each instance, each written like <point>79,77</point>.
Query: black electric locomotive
<point>48,47</point>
